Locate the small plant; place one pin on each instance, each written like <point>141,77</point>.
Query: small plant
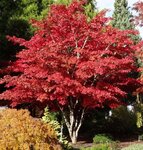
<point>102,138</point>
<point>134,147</point>
<point>103,142</point>
<point>105,146</point>
<point>19,131</point>
<point>51,118</point>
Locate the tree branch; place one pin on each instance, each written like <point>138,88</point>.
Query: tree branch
<point>64,116</point>
<point>85,42</point>
<point>81,120</point>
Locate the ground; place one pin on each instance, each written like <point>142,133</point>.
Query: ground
<point>122,144</point>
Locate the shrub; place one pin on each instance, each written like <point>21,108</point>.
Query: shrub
<point>134,147</point>
<point>51,118</point>
<point>103,142</point>
<point>102,138</point>
<point>20,131</point>
<point>105,146</point>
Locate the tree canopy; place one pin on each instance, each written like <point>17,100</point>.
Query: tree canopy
<point>73,64</point>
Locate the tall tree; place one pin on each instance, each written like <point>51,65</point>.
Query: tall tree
<point>72,64</point>
<point>14,20</point>
<point>122,16</point>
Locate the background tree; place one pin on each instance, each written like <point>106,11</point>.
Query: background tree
<point>73,65</point>
<point>122,16</point>
<point>14,20</point>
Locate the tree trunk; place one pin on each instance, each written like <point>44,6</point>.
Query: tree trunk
<point>74,137</point>
<point>73,120</point>
<point>74,127</point>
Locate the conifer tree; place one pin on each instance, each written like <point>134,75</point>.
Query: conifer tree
<point>14,20</point>
<point>90,9</point>
<point>122,16</point>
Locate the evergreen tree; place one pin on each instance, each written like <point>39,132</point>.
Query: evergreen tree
<point>14,20</point>
<point>122,16</point>
<point>90,9</point>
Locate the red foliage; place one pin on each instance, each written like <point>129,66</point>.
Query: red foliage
<point>139,8</point>
<point>69,56</point>
<point>139,20</point>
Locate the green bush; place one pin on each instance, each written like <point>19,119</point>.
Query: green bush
<point>105,146</point>
<point>103,142</point>
<point>102,138</point>
<point>51,119</point>
<point>134,147</point>
<point>19,131</point>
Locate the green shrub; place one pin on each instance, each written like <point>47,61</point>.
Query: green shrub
<point>103,142</point>
<point>134,147</point>
<point>102,138</point>
<point>105,146</point>
<point>51,118</point>
<point>19,131</point>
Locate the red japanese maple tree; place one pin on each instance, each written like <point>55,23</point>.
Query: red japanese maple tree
<point>73,64</point>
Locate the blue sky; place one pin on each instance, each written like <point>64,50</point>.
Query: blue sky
<point>109,4</point>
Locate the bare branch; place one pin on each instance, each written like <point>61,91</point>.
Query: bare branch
<point>81,120</point>
<point>95,77</point>
<point>108,46</point>
<point>76,102</point>
<point>64,116</point>
<point>85,42</point>
<point>76,44</point>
